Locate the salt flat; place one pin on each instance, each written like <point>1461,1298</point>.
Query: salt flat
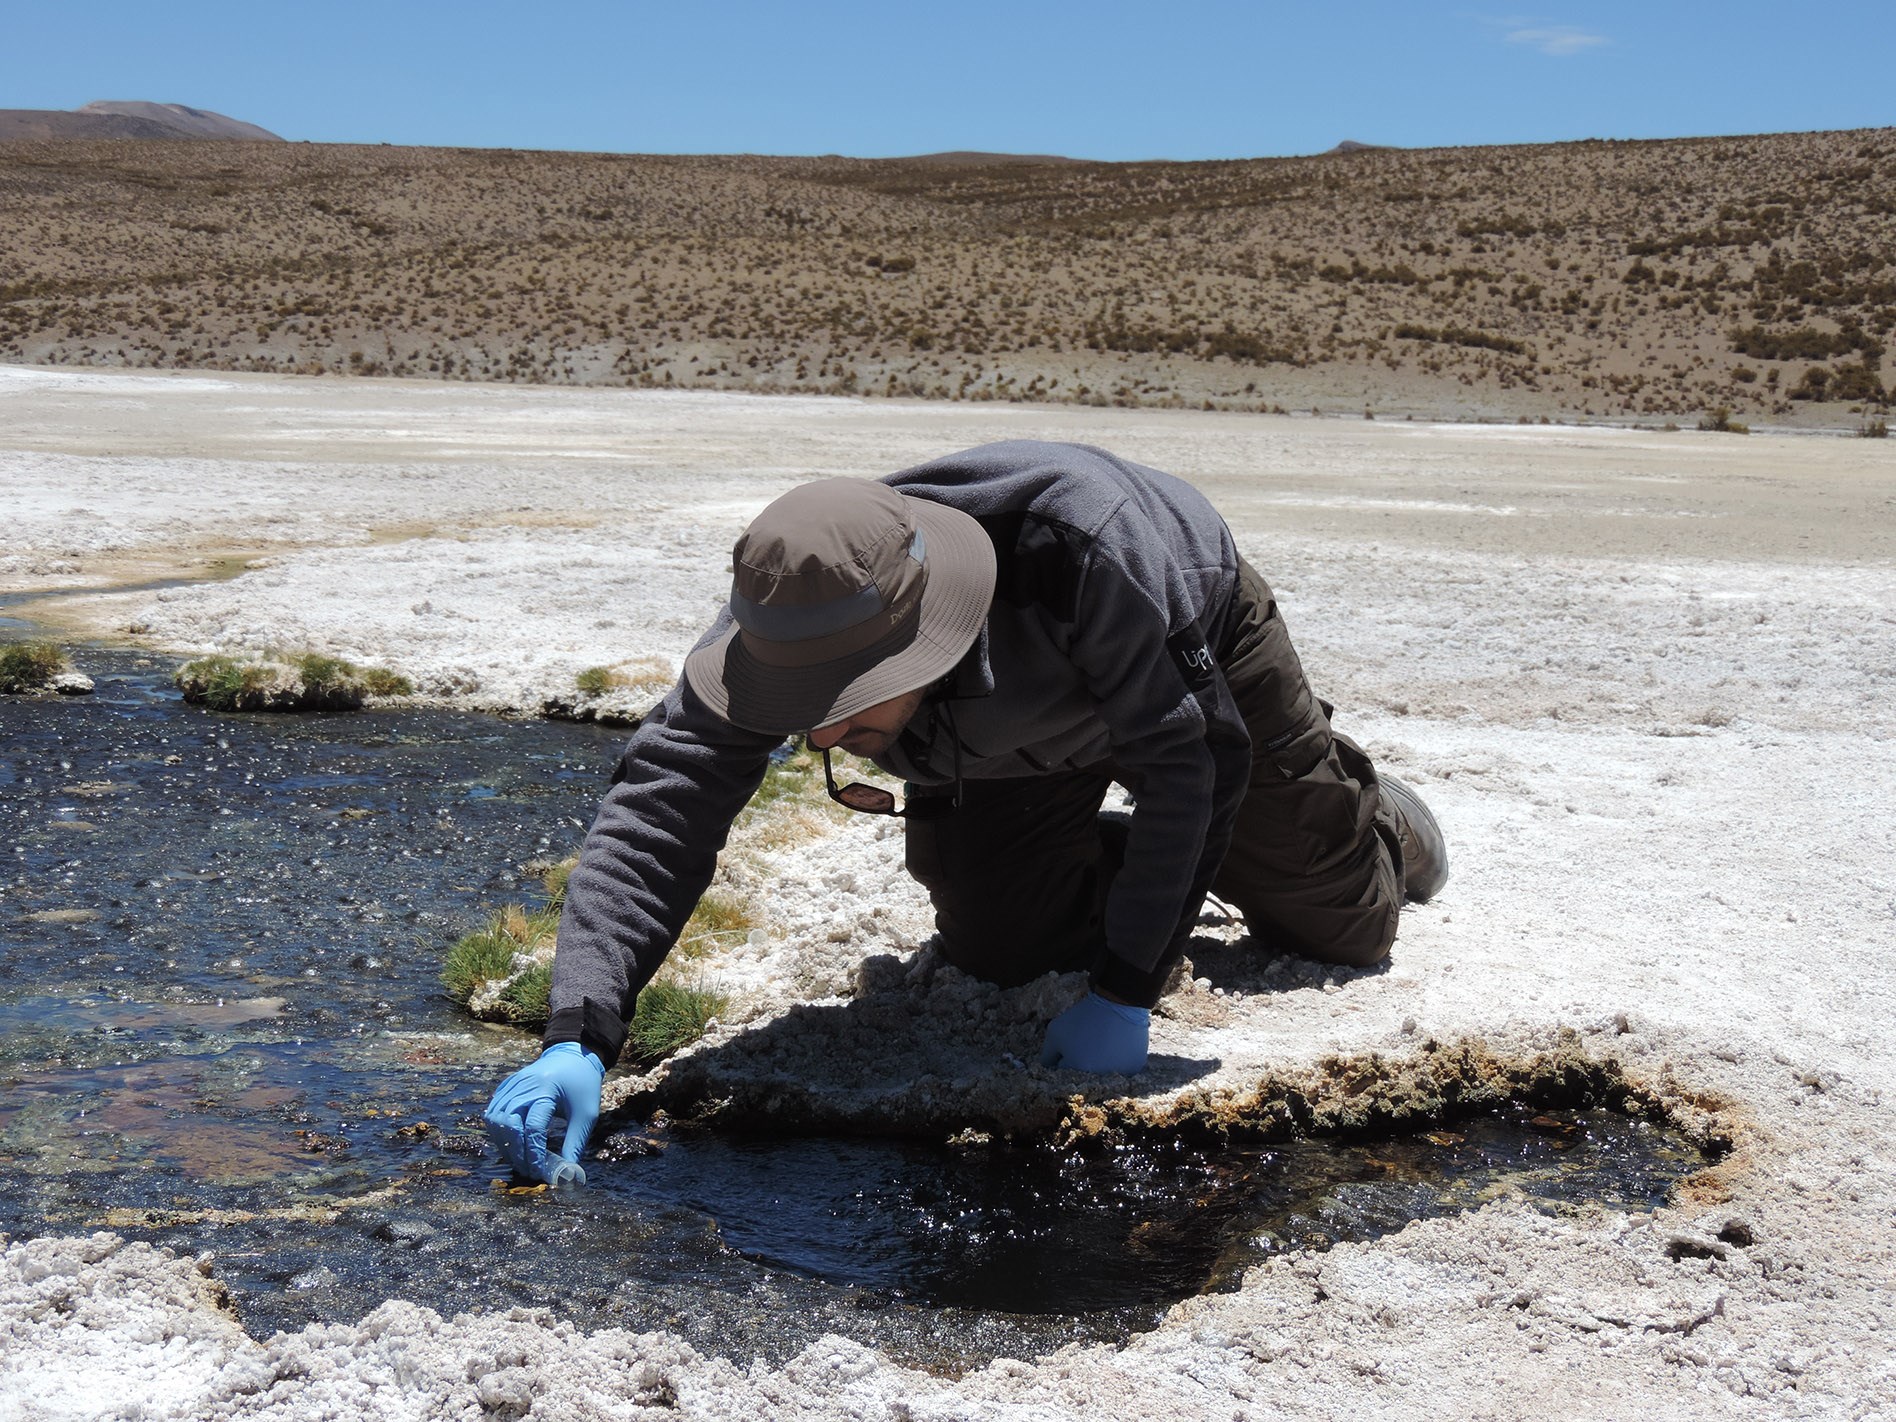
<point>1647,680</point>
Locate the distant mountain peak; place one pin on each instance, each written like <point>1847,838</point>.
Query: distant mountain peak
<point>127,118</point>
<point>189,122</point>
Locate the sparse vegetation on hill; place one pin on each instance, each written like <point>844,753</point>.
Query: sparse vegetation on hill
<point>1756,274</point>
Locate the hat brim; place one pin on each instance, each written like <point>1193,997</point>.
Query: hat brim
<point>783,701</point>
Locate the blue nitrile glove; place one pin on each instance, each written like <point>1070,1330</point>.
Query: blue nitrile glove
<point>564,1081</point>
<point>1097,1035</point>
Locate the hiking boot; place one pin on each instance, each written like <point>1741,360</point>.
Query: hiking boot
<point>1424,851</point>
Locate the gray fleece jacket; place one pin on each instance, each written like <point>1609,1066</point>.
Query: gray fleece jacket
<point>1113,589</point>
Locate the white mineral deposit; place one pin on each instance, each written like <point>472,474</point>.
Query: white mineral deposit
<point>1646,678</point>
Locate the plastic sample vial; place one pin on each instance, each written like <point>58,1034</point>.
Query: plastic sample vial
<point>567,1175</point>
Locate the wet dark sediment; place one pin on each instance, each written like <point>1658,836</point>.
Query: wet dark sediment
<point>219,945</point>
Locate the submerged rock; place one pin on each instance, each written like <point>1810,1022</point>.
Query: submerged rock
<point>408,1231</point>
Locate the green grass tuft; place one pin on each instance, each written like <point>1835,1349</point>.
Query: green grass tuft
<point>380,681</point>
<point>798,775</point>
<point>718,915</point>
<point>555,882</point>
<point>527,997</point>
<point>28,666</point>
<point>224,680</point>
<point>320,682</point>
<point>528,928</point>
<point>323,675</point>
<point>671,1015</point>
<point>647,675</point>
<point>486,957</point>
<point>476,960</point>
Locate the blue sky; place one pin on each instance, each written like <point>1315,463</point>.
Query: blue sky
<point>1111,80</point>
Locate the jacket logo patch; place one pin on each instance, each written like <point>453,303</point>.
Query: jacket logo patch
<point>1192,657</point>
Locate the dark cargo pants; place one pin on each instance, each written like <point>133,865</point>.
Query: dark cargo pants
<point>1018,875</point>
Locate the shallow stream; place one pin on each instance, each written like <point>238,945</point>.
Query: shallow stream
<point>221,1030</point>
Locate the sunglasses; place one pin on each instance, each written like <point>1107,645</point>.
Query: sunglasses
<point>874,800</point>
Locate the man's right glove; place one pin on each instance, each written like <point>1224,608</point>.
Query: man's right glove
<point>1098,1035</point>
<point>564,1081</point>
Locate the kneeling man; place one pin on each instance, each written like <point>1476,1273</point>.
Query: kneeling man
<point>1009,630</point>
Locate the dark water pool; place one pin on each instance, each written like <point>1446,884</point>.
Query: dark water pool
<point>221,1030</point>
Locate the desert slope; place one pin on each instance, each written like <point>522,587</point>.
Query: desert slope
<point>1651,281</point>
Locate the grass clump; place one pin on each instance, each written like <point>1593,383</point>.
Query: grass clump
<point>475,961</point>
<point>224,683</point>
<point>528,996</point>
<point>554,881</point>
<point>28,666</point>
<point>324,676</point>
<point>303,681</point>
<point>380,681</point>
<point>642,674</point>
<point>1873,429</point>
<point>594,681</point>
<point>497,971</point>
<point>1719,421</point>
<point>719,915</point>
<point>530,929</point>
<point>671,1015</point>
<point>504,973</point>
<point>790,806</point>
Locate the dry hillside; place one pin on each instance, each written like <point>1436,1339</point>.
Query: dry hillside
<point>126,118</point>
<point>1659,280</point>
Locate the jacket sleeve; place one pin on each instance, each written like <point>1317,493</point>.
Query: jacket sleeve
<point>1176,731</point>
<point>685,775</point>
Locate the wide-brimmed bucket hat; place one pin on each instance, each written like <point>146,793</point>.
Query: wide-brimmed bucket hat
<point>844,593</point>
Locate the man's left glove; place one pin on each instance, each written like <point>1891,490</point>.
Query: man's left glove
<point>564,1081</point>
<point>1098,1035</point>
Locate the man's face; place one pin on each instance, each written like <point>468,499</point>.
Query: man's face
<point>872,730</point>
